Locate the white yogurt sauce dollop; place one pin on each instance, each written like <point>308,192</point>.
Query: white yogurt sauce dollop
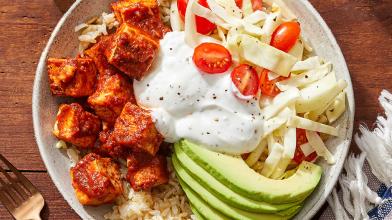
<point>187,103</point>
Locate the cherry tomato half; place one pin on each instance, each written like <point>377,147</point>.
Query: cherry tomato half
<point>203,25</point>
<point>285,36</point>
<point>212,58</point>
<point>238,3</point>
<point>257,5</point>
<point>246,80</point>
<point>268,87</point>
<point>299,156</point>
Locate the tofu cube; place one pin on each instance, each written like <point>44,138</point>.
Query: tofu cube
<point>113,91</point>
<point>142,14</point>
<point>131,51</point>
<point>135,129</point>
<point>97,54</point>
<point>72,77</point>
<point>147,174</point>
<point>96,180</point>
<point>76,126</point>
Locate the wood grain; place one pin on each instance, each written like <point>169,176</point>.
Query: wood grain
<point>363,29</point>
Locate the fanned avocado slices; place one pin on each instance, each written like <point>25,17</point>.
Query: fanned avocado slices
<point>221,191</point>
<point>204,198</point>
<point>234,173</point>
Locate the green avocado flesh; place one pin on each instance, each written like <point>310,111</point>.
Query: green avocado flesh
<point>201,176</point>
<point>235,174</point>
<point>197,214</point>
<point>216,204</point>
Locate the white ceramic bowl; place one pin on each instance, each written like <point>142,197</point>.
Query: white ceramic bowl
<point>64,43</point>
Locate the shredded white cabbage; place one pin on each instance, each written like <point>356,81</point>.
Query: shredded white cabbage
<point>307,149</point>
<point>191,35</point>
<point>274,123</point>
<point>319,92</point>
<point>287,13</point>
<point>310,125</point>
<point>255,155</point>
<point>297,50</point>
<point>318,145</point>
<point>337,107</point>
<point>266,56</point>
<point>282,100</point>
<point>305,78</point>
<point>272,160</point>
<point>175,20</point>
<point>255,17</point>
<point>308,64</point>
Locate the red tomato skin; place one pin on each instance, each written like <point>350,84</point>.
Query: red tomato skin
<point>286,35</point>
<point>257,5</point>
<point>248,73</point>
<point>299,156</point>
<point>212,58</point>
<point>203,26</point>
<point>268,87</point>
<point>238,3</point>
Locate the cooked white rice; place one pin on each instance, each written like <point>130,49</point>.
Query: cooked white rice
<point>163,202</point>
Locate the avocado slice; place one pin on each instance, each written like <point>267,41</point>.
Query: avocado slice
<point>196,213</point>
<point>200,206</point>
<point>235,174</point>
<point>221,191</point>
<point>209,199</point>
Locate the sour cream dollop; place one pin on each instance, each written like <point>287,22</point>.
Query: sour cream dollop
<point>187,103</point>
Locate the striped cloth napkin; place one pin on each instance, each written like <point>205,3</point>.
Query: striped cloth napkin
<point>365,185</point>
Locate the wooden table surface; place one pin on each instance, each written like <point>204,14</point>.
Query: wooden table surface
<point>363,29</point>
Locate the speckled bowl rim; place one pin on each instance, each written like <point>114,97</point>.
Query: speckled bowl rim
<point>306,213</point>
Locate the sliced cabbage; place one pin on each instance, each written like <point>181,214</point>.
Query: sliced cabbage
<point>233,38</point>
<point>272,75</point>
<point>255,17</point>
<point>306,43</point>
<point>286,12</point>
<point>307,149</point>
<point>289,141</point>
<point>297,50</point>
<point>318,145</point>
<point>191,35</point>
<point>272,160</point>
<point>221,35</point>
<point>308,64</point>
<point>266,56</point>
<point>206,13</point>
<point>304,78</point>
<point>310,125</point>
<point>247,7</point>
<point>274,123</point>
<point>271,22</point>
<point>318,93</point>
<point>337,107</point>
<point>175,20</point>
<point>282,100</point>
<point>256,153</point>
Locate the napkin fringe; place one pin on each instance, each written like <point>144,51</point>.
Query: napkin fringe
<point>376,147</point>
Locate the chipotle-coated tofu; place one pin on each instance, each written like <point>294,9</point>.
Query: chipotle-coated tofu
<point>113,91</point>
<point>144,175</point>
<point>131,51</point>
<point>142,14</point>
<point>76,126</point>
<point>72,77</point>
<point>135,129</point>
<point>97,54</point>
<point>96,180</point>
